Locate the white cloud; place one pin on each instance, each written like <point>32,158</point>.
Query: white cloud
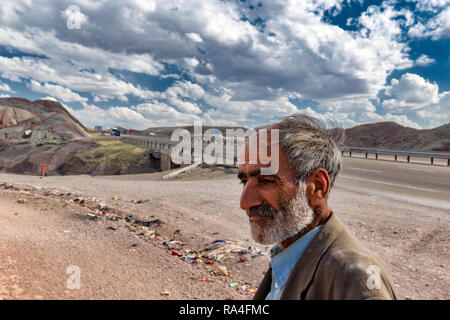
<point>424,60</point>
<point>436,114</point>
<point>57,91</point>
<point>347,105</point>
<point>430,5</point>
<point>411,91</point>
<point>306,55</point>
<point>49,98</point>
<point>194,37</point>
<point>105,85</point>
<point>5,87</point>
<point>437,28</point>
<point>112,116</point>
<point>243,69</point>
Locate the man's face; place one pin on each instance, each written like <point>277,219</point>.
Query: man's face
<point>276,206</point>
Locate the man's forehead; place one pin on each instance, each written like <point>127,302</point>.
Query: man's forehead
<point>255,146</point>
<point>250,165</point>
<point>248,171</point>
<point>251,169</point>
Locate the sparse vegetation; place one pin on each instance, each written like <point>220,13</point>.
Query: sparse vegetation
<point>111,157</point>
<point>49,143</point>
<point>112,150</point>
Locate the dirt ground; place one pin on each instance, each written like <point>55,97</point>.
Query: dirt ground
<point>51,223</point>
<point>42,236</point>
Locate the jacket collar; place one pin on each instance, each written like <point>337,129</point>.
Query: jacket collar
<point>305,267</point>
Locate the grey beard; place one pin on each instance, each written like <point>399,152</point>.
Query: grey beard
<point>287,222</point>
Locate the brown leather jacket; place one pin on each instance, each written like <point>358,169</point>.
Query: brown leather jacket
<point>335,266</point>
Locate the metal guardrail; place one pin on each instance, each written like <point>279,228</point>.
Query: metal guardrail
<point>408,154</point>
<point>155,143</point>
<point>163,143</point>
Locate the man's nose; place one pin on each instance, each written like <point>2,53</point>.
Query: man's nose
<point>250,196</point>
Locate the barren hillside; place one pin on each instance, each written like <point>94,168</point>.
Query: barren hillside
<point>43,131</point>
<point>391,135</point>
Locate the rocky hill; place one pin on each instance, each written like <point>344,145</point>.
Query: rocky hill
<point>390,135</point>
<point>22,121</point>
<point>43,131</point>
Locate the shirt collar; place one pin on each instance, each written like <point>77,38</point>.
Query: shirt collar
<point>282,261</point>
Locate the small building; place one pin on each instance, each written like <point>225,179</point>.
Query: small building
<point>98,129</point>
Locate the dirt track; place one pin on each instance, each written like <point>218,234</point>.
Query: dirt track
<point>45,237</point>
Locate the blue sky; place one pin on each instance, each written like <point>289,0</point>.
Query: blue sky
<point>156,63</point>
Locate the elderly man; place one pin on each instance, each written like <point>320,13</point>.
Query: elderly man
<point>314,256</point>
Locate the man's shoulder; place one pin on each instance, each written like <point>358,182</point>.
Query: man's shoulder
<point>348,270</point>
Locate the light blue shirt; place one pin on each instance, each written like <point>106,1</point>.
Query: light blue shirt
<point>282,262</point>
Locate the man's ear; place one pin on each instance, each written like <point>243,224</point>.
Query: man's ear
<point>317,187</point>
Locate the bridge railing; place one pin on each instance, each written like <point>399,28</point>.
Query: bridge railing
<point>164,143</point>
<point>396,154</point>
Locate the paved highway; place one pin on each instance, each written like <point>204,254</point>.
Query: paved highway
<point>418,180</point>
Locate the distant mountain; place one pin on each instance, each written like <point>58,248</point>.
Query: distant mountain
<point>391,135</point>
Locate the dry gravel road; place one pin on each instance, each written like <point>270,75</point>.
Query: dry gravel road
<point>408,228</point>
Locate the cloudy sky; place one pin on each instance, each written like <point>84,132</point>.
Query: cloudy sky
<point>142,63</point>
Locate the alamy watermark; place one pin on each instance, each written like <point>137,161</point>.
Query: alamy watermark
<point>74,17</point>
<point>74,280</point>
<point>211,147</point>
<point>373,9</point>
<point>374,279</point>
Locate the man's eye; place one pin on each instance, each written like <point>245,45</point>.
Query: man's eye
<point>267,181</point>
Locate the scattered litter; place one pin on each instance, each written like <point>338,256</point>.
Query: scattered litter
<point>116,198</point>
<point>252,290</point>
<point>140,201</point>
<point>244,258</point>
<point>129,218</point>
<point>234,284</point>
<point>176,253</point>
<point>146,223</point>
<point>134,244</point>
<point>103,207</point>
<point>22,201</point>
<point>244,287</point>
<point>80,200</point>
<point>165,293</point>
<point>220,249</point>
<point>221,270</point>
<point>112,228</point>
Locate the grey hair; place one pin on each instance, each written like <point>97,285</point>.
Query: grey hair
<point>309,145</point>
